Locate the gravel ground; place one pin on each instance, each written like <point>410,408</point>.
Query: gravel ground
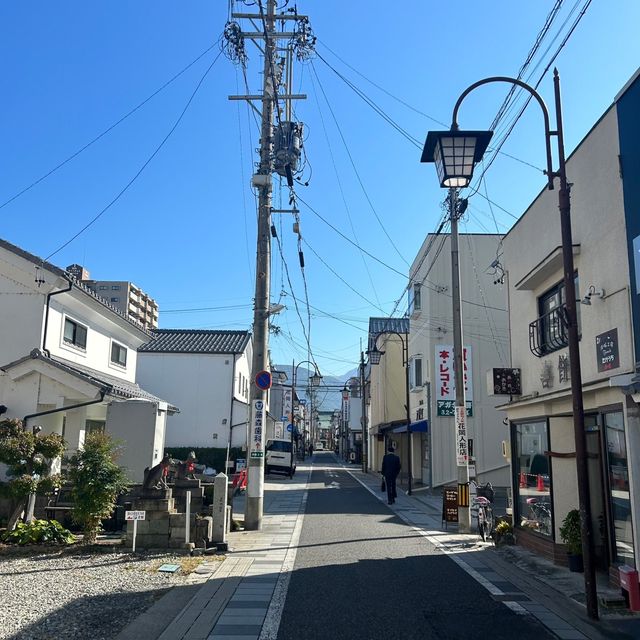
<point>80,593</point>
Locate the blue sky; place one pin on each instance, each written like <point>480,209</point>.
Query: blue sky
<point>185,229</point>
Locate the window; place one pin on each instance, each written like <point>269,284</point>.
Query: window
<point>620,498</point>
<point>551,327</point>
<point>103,287</point>
<point>115,287</point>
<point>115,299</point>
<point>532,485</point>
<point>118,354</point>
<point>415,303</point>
<point>94,426</point>
<point>415,372</point>
<point>75,334</point>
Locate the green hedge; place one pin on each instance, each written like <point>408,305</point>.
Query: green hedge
<point>211,456</point>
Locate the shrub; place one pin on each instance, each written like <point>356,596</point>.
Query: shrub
<point>39,532</point>
<point>570,532</point>
<point>503,527</point>
<point>97,482</point>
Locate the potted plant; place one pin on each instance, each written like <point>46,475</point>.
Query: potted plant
<point>572,538</point>
<point>503,533</point>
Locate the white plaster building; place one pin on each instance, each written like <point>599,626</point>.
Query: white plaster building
<point>485,335</point>
<point>207,373</point>
<point>68,361</point>
<point>604,171</point>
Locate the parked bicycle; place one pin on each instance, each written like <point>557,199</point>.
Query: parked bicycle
<point>539,517</point>
<point>482,502</point>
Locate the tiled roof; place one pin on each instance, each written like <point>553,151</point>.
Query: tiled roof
<point>40,263</point>
<point>196,341</point>
<point>111,385</point>
<point>378,326</point>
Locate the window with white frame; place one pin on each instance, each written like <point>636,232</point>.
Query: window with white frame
<point>118,354</point>
<point>75,333</point>
<point>415,302</point>
<point>415,372</point>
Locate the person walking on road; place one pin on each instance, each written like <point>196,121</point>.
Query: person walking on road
<point>390,470</point>
<point>310,450</point>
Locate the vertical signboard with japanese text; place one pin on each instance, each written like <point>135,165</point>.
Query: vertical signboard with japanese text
<point>256,445</point>
<point>462,444</point>
<point>445,391</point>
<point>607,351</point>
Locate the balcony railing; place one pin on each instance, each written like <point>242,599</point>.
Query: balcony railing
<point>549,332</point>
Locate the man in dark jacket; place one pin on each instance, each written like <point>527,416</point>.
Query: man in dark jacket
<point>390,471</point>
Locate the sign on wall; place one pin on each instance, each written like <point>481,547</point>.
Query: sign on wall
<point>505,382</point>
<point>462,444</point>
<point>445,391</point>
<point>607,353</point>
<point>257,449</point>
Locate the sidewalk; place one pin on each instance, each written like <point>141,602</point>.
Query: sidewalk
<point>524,581</point>
<point>242,597</point>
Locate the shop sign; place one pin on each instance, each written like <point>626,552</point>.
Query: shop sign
<point>607,352</point>
<point>445,391</point>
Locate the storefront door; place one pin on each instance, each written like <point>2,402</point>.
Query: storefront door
<point>597,490</point>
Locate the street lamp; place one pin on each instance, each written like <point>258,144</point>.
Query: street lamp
<point>451,151</point>
<point>314,381</point>
<point>374,358</point>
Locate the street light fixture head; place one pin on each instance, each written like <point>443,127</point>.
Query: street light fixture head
<point>375,355</point>
<point>315,379</point>
<point>455,154</point>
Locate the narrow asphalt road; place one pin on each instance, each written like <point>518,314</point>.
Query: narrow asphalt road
<point>361,573</point>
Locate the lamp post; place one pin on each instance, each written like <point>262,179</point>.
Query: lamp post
<point>314,381</point>
<point>455,152</point>
<point>374,358</point>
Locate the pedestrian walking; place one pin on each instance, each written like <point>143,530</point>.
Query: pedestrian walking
<point>310,449</point>
<point>390,470</point>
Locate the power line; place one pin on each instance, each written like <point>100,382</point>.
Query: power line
<point>142,168</point>
<point>108,129</point>
<point>355,169</point>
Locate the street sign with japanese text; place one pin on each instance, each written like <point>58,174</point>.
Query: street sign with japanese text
<point>462,445</point>
<point>135,515</point>
<point>256,445</point>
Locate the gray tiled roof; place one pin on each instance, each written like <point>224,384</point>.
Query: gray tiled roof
<point>196,341</point>
<point>378,326</point>
<point>111,385</point>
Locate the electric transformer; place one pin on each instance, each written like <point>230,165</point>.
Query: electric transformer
<point>287,146</point>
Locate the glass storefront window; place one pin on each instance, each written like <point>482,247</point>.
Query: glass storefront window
<point>533,494</point>
<point>619,486</point>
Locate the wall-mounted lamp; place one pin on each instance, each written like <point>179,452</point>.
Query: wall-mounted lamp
<point>599,293</point>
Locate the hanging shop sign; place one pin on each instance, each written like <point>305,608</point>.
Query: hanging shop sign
<point>445,391</point>
<point>504,382</point>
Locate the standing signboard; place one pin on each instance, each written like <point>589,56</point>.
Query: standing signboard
<point>446,383</point>
<point>450,504</point>
<point>134,516</point>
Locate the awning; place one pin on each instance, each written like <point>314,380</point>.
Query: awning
<point>420,426</point>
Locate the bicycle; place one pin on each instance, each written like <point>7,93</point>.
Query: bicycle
<point>540,516</point>
<point>482,503</point>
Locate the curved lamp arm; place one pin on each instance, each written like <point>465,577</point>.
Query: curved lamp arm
<point>545,112</point>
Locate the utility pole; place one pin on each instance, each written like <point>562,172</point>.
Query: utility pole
<point>279,151</point>
<point>460,420</point>
<point>263,181</point>
<point>363,419</point>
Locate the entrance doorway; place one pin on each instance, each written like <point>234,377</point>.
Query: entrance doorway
<point>595,471</point>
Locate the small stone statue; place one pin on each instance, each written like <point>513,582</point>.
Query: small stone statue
<point>187,468</point>
<point>156,476</point>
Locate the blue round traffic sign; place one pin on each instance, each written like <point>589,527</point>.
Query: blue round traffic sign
<point>263,380</point>
<point>289,428</point>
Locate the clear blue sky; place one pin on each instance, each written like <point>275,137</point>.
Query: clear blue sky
<point>185,229</point>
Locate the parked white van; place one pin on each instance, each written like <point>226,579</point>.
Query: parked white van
<point>279,457</point>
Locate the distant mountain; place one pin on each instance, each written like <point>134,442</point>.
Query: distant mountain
<point>329,391</point>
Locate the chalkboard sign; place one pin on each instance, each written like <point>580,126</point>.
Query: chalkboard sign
<point>607,353</point>
<point>450,504</point>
